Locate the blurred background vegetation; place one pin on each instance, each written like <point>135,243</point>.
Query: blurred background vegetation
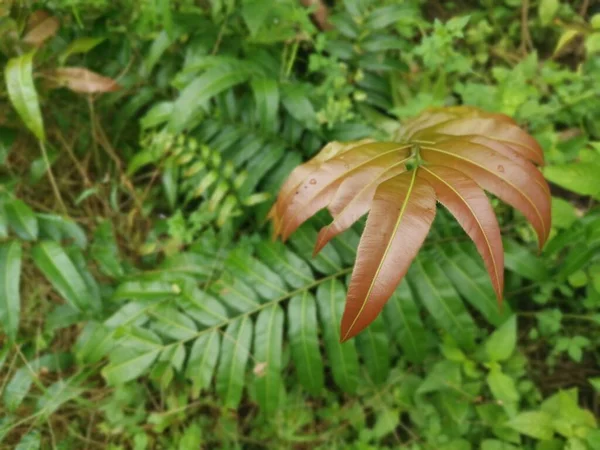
<point>143,304</point>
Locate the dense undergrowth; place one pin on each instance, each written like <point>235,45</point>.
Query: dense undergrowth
<point>143,303</point>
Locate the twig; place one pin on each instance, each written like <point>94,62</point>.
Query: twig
<point>52,179</point>
<point>526,43</point>
<point>584,7</point>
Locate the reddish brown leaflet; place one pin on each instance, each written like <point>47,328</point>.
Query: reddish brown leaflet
<point>455,154</point>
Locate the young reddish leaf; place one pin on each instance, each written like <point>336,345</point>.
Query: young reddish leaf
<point>301,173</point>
<point>318,189</point>
<point>402,213</point>
<point>455,153</point>
<point>499,130</point>
<point>353,199</point>
<point>501,176</point>
<point>84,81</point>
<point>41,26</point>
<point>472,209</point>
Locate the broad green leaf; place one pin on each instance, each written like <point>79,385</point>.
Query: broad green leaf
<point>105,251</point>
<point>504,390</point>
<point>293,269</point>
<point>202,361</point>
<point>268,336</point>
<point>535,424</point>
<point>463,266</point>
<point>443,375</point>
<point>266,96</point>
<point>581,178</point>
<point>266,282</point>
<point>168,321</point>
<point>385,16</point>
<point>133,355</point>
<point>442,301</point>
<point>94,343</point>
<point>255,12</point>
<point>304,342</point>
<point>21,91</point>
<point>158,114</point>
<point>59,269</point>
<point>235,351</point>
<point>214,81</point>
<point>296,101</point>
<point>237,295</point>
<point>30,441</point>
<point>58,228</point>
<point>18,387</point>
<point>521,261</point>
<point>10,298</point>
<point>343,358</point>
<point>501,344</point>
<point>202,307</point>
<point>564,213</point>
<point>56,395</point>
<point>78,46</point>
<point>160,44</point>
<point>21,219</point>
<point>373,346</point>
<point>328,261</point>
<point>405,325</point>
<point>145,290</point>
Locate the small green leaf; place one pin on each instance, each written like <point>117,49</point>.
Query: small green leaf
<point>404,322</point>
<point>268,336</point>
<point>547,10</point>
<point>373,346</point>
<point>266,96</point>
<point>56,395</point>
<point>504,390</point>
<point>580,178</point>
<point>535,424</point>
<point>145,290</point>
<point>105,251</point>
<point>59,269</point>
<point>235,352</point>
<point>331,297</point>
<point>564,213</point>
<point>442,301</point>
<point>21,91</point>
<point>202,361</point>
<point>10,298</point>
<point>501,344</point>
<point>171,323</point>
<point>31,441</point>
<point>293,269</point>
<point>22,219</point>
<point>133,355</point>
<point>79,45</point>
<point>304,341</point>
<point>214,81</point>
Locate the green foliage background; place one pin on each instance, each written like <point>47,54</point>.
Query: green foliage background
<point>142,302</point>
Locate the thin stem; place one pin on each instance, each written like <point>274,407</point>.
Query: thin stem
<point>52,179</point>
<point>292,59</point>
